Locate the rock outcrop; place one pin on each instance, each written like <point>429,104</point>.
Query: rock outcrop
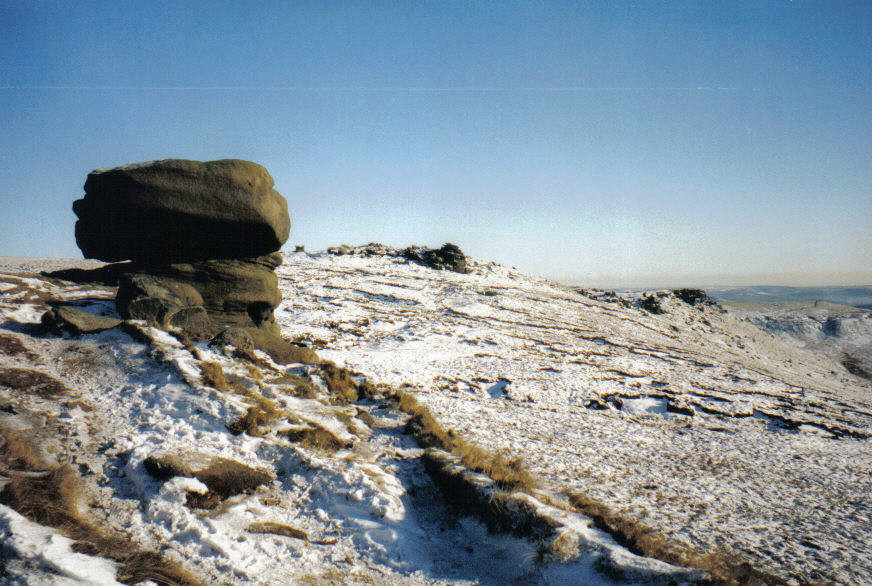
<point>200,241</point>
<point>449,257</point>
<point>232,292</point>
<point>175,209</point>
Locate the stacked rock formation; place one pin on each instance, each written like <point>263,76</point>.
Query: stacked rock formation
<point>201,240</point>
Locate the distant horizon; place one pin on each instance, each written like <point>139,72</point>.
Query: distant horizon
<point>643,283</point>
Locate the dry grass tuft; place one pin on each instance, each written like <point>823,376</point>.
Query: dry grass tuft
<point>12,346</point>
<point>340,383</point>
<point>213,375</point>
<point>255,360</point>
<point>278,529</point>
<point>316,437</point>
<point>723,568</point>
<point>228,477</point>
<point>21,453</point>
<point>32,382</point>
<point>257,415</point>
<point>296,386</point>
<point>53,497</point>
<point>222,476</point>
<point>505,471</point>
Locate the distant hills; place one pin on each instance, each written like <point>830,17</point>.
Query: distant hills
<point>857,296</point>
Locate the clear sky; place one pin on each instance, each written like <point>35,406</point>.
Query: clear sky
<point>597,143</point>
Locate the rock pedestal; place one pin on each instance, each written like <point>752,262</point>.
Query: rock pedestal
<point>202,238</point>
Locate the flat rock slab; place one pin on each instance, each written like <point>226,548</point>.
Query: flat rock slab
<point>176,209</point>
<point>78,322</point>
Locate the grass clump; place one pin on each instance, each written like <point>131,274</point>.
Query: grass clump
<point>213,376</point>
<point>251,422</point>
<point>32,382</point>
<point>296,386</point>
<point>340,382</point>
<point>12,346</point>
<point>222,476</point>
<point>51,495</point>
<point>723,569</point>
<point>317,437</point>
<point>505,471</point>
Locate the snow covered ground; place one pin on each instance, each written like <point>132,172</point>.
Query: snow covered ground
<point>694,421</point>
<point>365,512</point>
<point>839,331</point>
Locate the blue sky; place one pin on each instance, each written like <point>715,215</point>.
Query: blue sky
<point>597,143</point>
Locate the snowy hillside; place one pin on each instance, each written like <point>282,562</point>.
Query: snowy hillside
<point>693,422</point>
<point>839,331</point>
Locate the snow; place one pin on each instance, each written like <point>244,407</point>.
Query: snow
<point>512,360</point>
<point>509,361</point>
<point>40,555</point>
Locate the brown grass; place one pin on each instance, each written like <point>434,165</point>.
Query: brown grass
<point>222,476</point>
<point>251,422</point>
<point>53,497</point>
<point>278,529</point>
<point>296,385</point>
<point>32,382</point>
<point>12,346</point>
<point>19,452</point>
<point>249,355</point>
<point>340,383</point>
<point>316,437</point>
<point>504,470</point>
<point>723,568</point>
<point>213,375</point>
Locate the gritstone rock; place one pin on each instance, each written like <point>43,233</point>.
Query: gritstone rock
<point>77,321</point>
<point>175,209</point>
<point>449,257</point>
<point>200,238</point>
<point>232,292</point>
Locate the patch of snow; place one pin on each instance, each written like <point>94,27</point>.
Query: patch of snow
<point>37,554</point>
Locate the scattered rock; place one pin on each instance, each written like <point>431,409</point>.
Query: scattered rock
<point>693,296</point>
<point>651,304</point>
<point>175,209</point>
<point>76,321</point>
<point>449,257</point>
<point>340,250</point>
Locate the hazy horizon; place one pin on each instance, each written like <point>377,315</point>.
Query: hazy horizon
<point>601,144</point>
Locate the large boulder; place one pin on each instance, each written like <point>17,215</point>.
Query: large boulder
<point>233,292</point>
<point>180,210</point>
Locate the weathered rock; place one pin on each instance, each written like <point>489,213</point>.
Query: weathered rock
<point>233,292</point>
<point>268,340</point>
<point>76,321</point>
<point>193,321</point>
<point>693,296</point>
<point>449,257</point>
<point>175,209</point>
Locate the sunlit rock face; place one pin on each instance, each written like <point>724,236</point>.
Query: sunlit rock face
<point>181,210</point>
